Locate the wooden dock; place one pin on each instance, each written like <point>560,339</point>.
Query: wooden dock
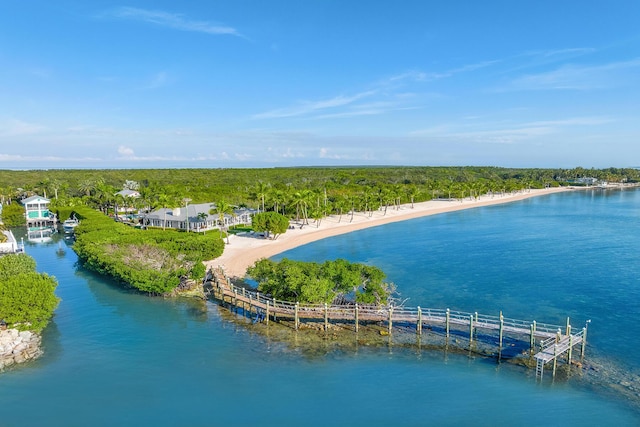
<point>552,342</point>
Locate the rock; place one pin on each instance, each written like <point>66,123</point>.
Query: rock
<point>18,347</point>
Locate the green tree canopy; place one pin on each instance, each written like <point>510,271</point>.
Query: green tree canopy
<point>271,223</point>
<point>13,215</point>
<point>27,298</point>
<point>12,265</point>
<point>329,282</point>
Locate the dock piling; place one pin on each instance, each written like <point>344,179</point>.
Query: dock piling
<point>231,296</point>
<point>501,329</point>
<point>532,339</point>
<point>470,329</point>
<point>267,314</point>
<point>326,317</point>
<point>448,318</point>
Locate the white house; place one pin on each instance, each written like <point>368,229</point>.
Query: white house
<point>37,212</point>
<point>194,217</point>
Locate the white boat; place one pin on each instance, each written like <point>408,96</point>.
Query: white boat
<point>70,224</point>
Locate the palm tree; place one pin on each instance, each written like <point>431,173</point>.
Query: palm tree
<point>203,217</point>
<point>222,208</point>
<point>260,192</point>
<point>301,201</point>
<point>118,200</point>
<point>103,196</point>
<point>55,185</point>
<point>278,198</point>
<point>340,205</point>
<point>43,186</point>
<point>317,214</point>
<point>396,191</point>
<point>87,186</point>
<point>412,192</point>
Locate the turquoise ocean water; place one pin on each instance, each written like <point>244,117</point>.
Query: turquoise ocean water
<point>114,357</point>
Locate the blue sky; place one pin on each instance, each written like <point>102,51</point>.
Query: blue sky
<point>237,83</point>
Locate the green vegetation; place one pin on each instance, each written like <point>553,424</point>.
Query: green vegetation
<point>294,192</point>
<point>27,298</point>
<point>13,215</point>
<point>153,261</point>
<point>270,223</point>
<point>158,261</point>
<point>329,282</point>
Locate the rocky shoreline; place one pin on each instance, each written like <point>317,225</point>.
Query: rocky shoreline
<point>18,347</point>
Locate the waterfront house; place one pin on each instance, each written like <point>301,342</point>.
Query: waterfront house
<point>195,217</point>
<point>37,212</point>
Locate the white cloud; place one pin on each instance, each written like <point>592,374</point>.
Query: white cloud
<point>326,154</point>
<point>308,107</point>
<point>126,151</point>
<point>174,21</point>
<point>507,133</point>
<point>15,127</point>
<point>389,94</point>
<point>423,76</point>
<point>579,77</point>
<point>45,158</point>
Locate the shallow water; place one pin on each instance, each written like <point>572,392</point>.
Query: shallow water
<point>113,357</point>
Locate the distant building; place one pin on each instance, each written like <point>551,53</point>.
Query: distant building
<point>128,193</point>
<point>10,246</point>
<point>37,212</point>
<point>194,217</point>
<point>584,181</point>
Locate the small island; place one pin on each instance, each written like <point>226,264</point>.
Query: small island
<point>27,303</point>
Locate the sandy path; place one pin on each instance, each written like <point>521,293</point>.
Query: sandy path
<point>244,250</point>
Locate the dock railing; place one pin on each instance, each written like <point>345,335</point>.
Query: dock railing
<point>547,337</point>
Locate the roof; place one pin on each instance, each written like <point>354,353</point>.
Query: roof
<point>128,193</point>
<point>179,213</point>
<point>35,198</point>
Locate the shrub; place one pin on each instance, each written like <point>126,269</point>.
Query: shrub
<point>152,261</point>
<point>27,298</point>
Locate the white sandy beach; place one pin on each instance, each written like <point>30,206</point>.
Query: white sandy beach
<point>244,250</point>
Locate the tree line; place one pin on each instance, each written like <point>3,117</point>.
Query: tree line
<point>300,193</point>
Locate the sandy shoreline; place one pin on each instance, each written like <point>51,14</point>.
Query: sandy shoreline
<point>244,250</point>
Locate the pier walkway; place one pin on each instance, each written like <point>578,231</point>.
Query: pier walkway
<point>553,343</point>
